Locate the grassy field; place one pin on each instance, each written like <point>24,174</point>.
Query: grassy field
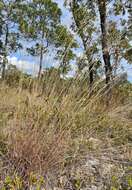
<point>65,137</point>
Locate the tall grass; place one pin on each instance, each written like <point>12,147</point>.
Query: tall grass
<point>56,124</point>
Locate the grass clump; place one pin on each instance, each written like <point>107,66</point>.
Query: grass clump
<point>63,136</point>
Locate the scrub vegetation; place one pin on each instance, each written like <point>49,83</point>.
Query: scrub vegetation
<point>60,131</point>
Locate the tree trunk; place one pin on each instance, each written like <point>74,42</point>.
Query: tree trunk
<point>41,56</point>
<point>40,63</point>
<point>106,55</point>
<point>75,7</point>
<point>3,70</point>
<point>91,75</point>
<point>5,46</point>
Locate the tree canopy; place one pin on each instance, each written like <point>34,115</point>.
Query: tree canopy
<point>100,31</point>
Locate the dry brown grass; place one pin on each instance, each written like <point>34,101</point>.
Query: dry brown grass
<point>43,133</point>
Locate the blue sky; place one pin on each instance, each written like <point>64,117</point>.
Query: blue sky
<point>30,64</point>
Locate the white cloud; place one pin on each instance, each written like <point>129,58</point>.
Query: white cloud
<point>24,65</point>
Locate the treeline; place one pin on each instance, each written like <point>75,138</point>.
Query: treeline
<point>100,29</point>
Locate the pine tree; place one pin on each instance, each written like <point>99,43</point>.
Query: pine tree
<point>84,26</point>
<point>102,6</point>
<point>40,19</point>
<point>8,29</point>
<point>65,44</point>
